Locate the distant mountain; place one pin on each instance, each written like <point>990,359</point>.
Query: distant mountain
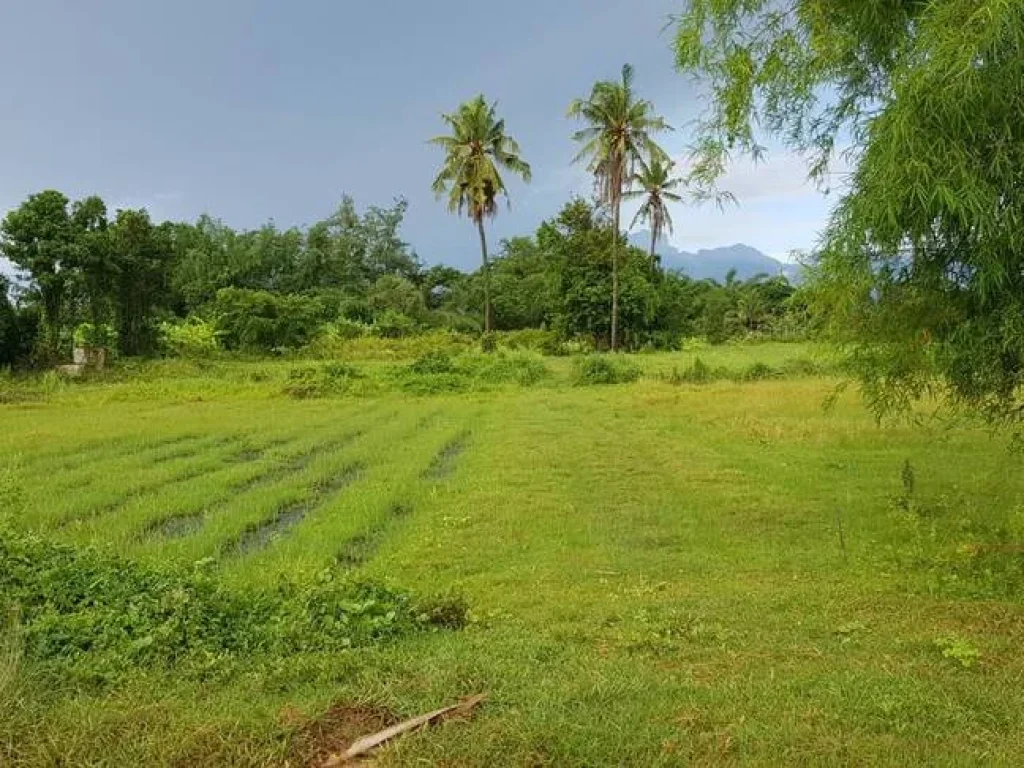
<point>714,264</point>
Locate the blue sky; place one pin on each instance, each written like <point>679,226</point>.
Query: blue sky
<point>261,109</point>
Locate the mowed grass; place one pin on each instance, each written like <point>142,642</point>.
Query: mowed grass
<point>657,574</point>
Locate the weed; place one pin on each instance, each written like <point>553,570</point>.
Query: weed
<point>758,372</point>
<point>698,372</point>
<point>603,369</point>
<point>313,381</point>
<point>444,611</point>
<point>98,618</point>
<point>959,650</point>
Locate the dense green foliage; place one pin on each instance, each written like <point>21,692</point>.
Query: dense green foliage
<point>88,615</point>
<point>196,290</point>
<point>920,273</point>
<point>10,334</point>
<point>561,278</point>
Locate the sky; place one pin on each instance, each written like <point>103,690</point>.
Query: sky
<point>258,110</point>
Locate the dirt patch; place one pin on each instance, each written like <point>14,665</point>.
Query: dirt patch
<point>335,730</point>
<point>443,464</point>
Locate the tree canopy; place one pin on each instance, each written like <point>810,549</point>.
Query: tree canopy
<point>921,269</point>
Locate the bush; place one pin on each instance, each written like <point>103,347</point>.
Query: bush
<point>100,336</point>
<point>332,338</point>
<point>405,348</point>
<point>394,325</point>
<point>438,372</point>
<point>321,380</point>
<point>523,368</point>
<point>802,366</point>
<point>578,346</point>
<point>192,338</point>
<point>604,369</point>
<point>533,339</point>
<point>758,372</point>
<point>97,618</point>
<point>698,372</point>
<point>436,361</point>
<point>260,321</point>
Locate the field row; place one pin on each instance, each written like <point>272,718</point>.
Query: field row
<point>261,502</point>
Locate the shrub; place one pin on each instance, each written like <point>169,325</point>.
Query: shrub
<point>192,338</point>
<point>522,368</point>
<point>89,335</point>
<point>375,347</point>
<point>332,338</point>
<point>698,372</point>
<point>88,615</point>
<point>436,361</point>
<point>437,371</point>
<point>603,369</point>
<point>758,372</point>
<point>577,346</point>
<point>260,321</point>
<point>533,339</point>
<point>311,381</point>
<point>802,366</point>
<point>394,325</point>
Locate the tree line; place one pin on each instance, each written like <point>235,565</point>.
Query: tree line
<point>123,281</point>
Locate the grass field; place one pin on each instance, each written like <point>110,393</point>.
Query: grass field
<point>657,573</point>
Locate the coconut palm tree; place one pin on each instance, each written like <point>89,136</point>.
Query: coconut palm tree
<point>617,139</point>
<point>475,151</point>
<point>655,186</point>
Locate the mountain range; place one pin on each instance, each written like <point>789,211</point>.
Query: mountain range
<point>715,263</point>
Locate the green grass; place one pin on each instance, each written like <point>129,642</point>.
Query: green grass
<point>654,570</point>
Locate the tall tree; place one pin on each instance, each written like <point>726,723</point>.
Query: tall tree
<point>920,271</point>
<point>475,150</point>
<point>617,139</point>
<point>142,253</point>
<point>93,256</point>
<point>657,189</point>
<point>38,237</point>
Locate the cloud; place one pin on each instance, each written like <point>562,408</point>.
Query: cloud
<point>781,175</point>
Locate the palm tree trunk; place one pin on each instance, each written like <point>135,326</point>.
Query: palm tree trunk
<point>487,276</point>
<point>615,275</point>
<point>654,246</point>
